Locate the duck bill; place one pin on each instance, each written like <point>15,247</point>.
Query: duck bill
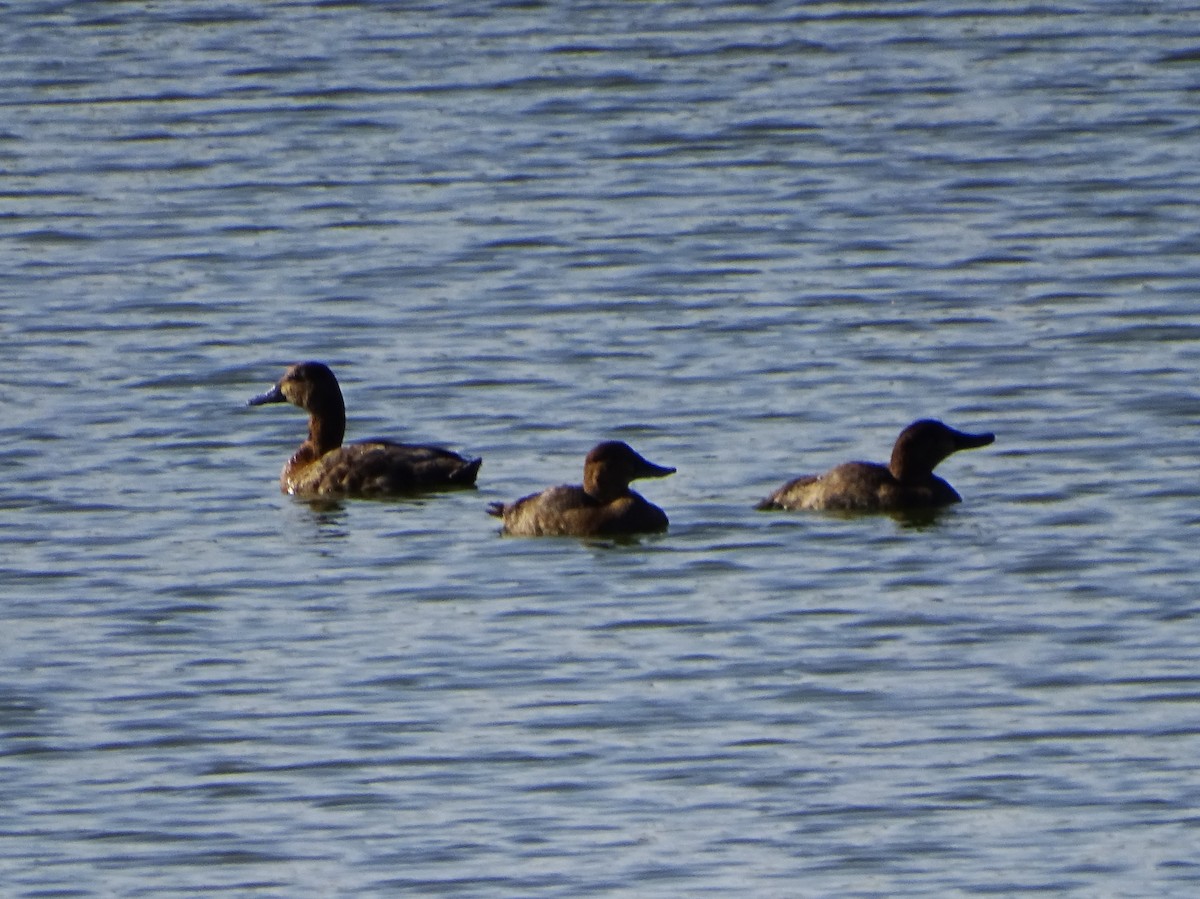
<point>963,440</point>
<point>647,469</point>
<point>274,395</point>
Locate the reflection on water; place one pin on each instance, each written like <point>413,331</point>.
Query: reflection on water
<point>327,519</point>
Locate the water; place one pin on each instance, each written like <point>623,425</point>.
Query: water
<point>753,240</point>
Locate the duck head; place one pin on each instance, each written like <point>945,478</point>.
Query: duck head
<point>923,444</point>
<point>312,387</point>
<point>612,465</point>
<point>309,385</point>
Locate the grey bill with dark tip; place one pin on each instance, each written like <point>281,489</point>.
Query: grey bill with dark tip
<point>274,395</point>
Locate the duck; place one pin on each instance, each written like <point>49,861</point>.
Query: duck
<point>603,506</point>
<point>907,482</point>
<point>323,466</point>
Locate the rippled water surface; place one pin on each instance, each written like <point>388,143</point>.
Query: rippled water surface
<point>753,240</point>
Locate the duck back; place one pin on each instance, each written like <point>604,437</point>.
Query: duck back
<point>380,468</point>
<point>570,511</point>
<point>860,487</point>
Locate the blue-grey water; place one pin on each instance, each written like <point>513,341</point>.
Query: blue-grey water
<point>753,240</point>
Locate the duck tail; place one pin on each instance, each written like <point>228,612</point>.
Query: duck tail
<point>496,509</point>
<point>767,505</point>
<point>465,475</point>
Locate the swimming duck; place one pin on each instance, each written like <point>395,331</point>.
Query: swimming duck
<point>603,506</point>
<point>906,482</point>
<point>323,466</point>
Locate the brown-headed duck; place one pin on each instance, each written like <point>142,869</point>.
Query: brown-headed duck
<point>324,467</point>
<point>603,506</point>
<point>907,482</point>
